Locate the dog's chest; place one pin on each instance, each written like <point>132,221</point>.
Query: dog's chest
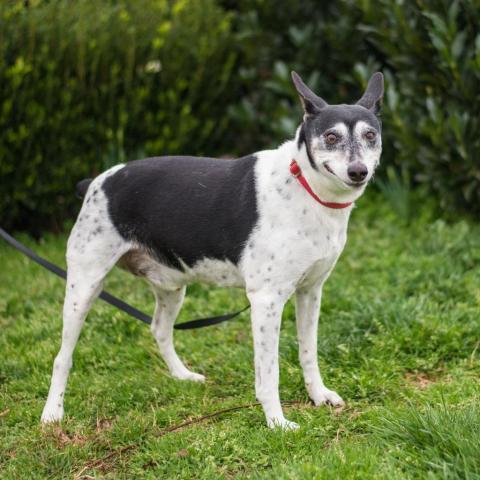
<point>291,217</point>
<point>309,239</point>
<point>296,238</point>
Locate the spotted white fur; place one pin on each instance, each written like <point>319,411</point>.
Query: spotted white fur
<point>292,249</point>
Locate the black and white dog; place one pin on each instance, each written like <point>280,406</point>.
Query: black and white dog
<point>274,222</point>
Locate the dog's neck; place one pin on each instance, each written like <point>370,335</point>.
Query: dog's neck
<point>322,186</point>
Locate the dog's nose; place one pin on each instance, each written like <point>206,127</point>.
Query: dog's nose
<point>357,171</point>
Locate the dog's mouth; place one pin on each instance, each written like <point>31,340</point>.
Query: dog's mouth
<point>356,184</point>
<point>328,169</point>
<point>349,184</point>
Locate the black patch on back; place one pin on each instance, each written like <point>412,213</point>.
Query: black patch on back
<point>185,208</point>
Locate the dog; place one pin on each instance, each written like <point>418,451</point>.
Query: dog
<point>274,222</point>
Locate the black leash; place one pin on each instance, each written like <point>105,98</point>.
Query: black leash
<point>206,322</point>
<point>107,297</point>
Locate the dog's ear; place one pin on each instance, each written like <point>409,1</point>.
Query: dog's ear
<point>312,104</point>
<point>372,98</point>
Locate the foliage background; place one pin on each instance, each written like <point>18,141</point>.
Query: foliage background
<point>85,85</point>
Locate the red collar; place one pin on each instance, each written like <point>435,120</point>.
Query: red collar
<point>296,171</point>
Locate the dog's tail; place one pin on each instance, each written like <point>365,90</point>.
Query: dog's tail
<point>82,187</point>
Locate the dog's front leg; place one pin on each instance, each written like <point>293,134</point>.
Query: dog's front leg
<point>266,318</point>
<point>307,312</point>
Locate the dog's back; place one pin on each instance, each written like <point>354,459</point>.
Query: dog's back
<point>211,202</point>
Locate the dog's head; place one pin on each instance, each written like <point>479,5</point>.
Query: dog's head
<point>343,142</point>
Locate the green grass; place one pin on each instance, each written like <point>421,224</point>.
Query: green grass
<point>399,340</point>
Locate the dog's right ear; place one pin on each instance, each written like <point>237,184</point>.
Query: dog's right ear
<point>312,104</point>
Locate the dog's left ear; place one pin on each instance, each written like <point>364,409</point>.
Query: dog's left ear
<point>312,104</point>
<point>372,98</point>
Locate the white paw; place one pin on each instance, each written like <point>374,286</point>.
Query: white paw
<point>188,375</point>
<point>327,397</point>
<point>50,415</point>
<point>282,423</point>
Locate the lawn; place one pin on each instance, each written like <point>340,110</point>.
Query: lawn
<point>399,340</point>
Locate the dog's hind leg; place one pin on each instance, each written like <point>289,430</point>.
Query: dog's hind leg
<point>168,304</point>
<point>89,258</point>
<point>307,312</point>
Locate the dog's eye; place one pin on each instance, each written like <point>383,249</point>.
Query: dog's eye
<point>370,135</point>
<point>331,138</point>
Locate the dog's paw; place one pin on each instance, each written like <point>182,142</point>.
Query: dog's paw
<point>188,375</point>
<point>51,415</point>
<point>327,397</point>
<point>282,423</point>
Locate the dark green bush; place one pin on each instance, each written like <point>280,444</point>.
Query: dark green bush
<point>86,84</point>
<point>432,52</point>
<point>315,39</point>
<point>429,52</point>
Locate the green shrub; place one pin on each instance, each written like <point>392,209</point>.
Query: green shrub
<point>315,39</point>
<point>86,84</point>
<point>432,123</point>
<point>429,52</point>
